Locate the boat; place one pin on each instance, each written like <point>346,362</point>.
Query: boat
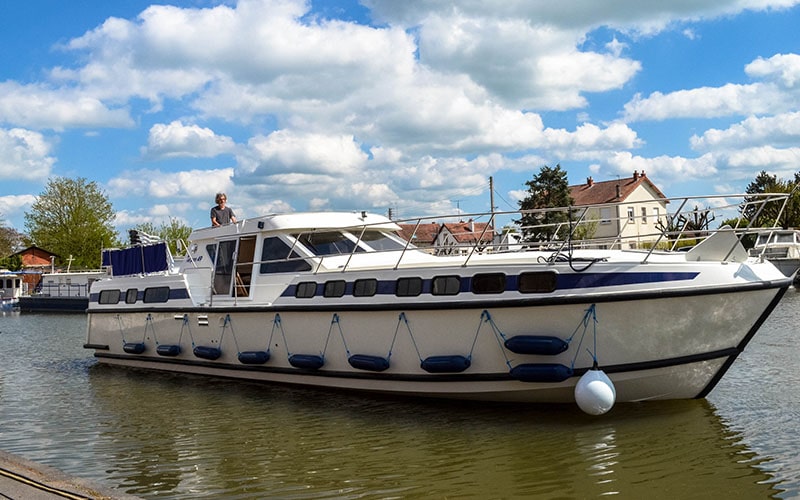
<point>339,300</point>
<point>781,247</point>
<point>11,288</point>
<point>61,292</point>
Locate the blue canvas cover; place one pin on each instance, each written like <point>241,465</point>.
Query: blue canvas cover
<point>137,259</point>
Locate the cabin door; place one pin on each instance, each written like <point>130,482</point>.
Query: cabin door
<point>234,255</point>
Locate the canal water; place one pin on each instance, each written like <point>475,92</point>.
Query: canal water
<point>181,437</point>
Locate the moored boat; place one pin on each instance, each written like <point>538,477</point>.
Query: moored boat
<point>339,300</point>
<point>781,247</point>
<point>61,292</point>
<point>11,288</point>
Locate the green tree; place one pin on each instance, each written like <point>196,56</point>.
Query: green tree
<point>72,217</point>
<point>171,232</point>
<point>772,215</point>
<point>11,241</point>
<point>547,189</point>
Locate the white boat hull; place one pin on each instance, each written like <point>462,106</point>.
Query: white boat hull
<point>651,348</point>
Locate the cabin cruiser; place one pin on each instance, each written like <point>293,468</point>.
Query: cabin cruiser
<point>11,288</point>
<point>339,300</point>
<point>781,247</point>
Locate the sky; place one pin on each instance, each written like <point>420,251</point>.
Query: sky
<point>291,105</point>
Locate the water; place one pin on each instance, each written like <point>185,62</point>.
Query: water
<point>168,436</point>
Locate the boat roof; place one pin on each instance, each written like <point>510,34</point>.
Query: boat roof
<point>300,221</point>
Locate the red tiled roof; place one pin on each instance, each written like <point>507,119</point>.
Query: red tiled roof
<point>592,193</point>
<point>425,235</point>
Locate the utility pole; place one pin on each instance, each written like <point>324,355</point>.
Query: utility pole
<point>491,195</point>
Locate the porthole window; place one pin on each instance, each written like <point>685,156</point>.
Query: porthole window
<point>334,288</point>
<point>109,297</point>
<point>446,285</point>
<point>305,290</point>
<point>489,283</point>
<point>131,295</point>
<point>409,287</point>
<point>365,287</point>
<point>540,282</point>
<point>156,294</point>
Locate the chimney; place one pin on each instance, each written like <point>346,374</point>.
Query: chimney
<point>635,175</point>
<point>589,181</point>
<point>618,192</point>
<point>642,174</point>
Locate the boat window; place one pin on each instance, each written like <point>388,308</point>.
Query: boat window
<point>156,294</point>
<point>131,295</point>
<point>365,287</point>
<point>109,297</point>
<point>334,288</point>
<point>278,257</point>
<point>489,283</point>
<point>305,290</point>
<point>378,240</point>
<point>540,282</point>
<point>785,238</point>
<point>211,250</point>
<point>446,285</point>
<point>409,287</point>
<point>328,243</point>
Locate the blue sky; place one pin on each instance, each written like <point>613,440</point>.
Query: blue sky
<point>290,105</point>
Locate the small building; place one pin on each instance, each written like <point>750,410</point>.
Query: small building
<point>458,238</point>
<point>35,262</point>
<point>630,208</point>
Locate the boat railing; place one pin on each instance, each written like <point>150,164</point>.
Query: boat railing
<point>619,225</point>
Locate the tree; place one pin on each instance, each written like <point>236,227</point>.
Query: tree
<point>548,189</point>
<point>11,241</point>
<point>172,232</point>
<point>771,215</point>
<point>72,217</point>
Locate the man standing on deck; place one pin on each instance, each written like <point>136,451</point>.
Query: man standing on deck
<point>221,214</point>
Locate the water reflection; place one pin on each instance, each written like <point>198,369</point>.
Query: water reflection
<point>186,437</point>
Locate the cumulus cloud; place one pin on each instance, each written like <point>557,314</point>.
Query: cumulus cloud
<point>24,155</point>
<point>288,151</point>
<point>782,129</point>
<point>200,184</point>
<point>38,106</point>
<point>14,204</point>
<point>176,139</point>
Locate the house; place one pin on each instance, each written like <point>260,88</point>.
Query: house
<point>449,238</point>
<point>35,261</point>
<point>421,235</point>
<point>631,207</point>
<point>458,238</point>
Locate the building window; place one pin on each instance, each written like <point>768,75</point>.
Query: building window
<point>630,214</point>
<point>644,215</point>
<point>655,215</point>
<point>605,215</point>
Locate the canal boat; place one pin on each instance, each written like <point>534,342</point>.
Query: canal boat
<point>340,300</point>
<point>781,247</point>
<point>61,292</point>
